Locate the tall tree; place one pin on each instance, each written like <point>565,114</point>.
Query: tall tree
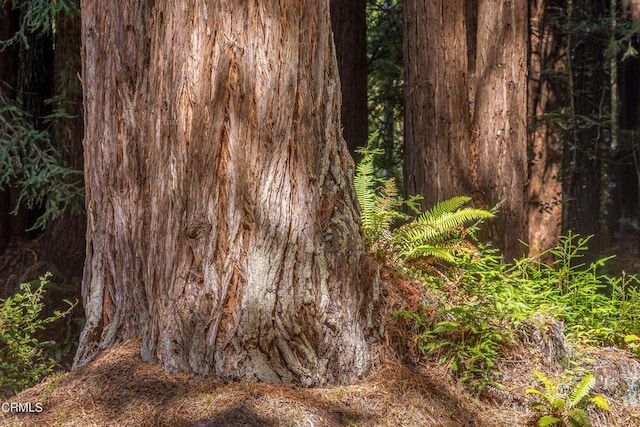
<point>222,222</point>
<point>437,121</point>
<point>349,24</point>
<point>499,127</point>
<point>548,104</point>
<point>465,108</point>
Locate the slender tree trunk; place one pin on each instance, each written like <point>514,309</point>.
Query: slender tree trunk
<point>498,144</point>
<point>349,24</point>
<point>222,222</point>
<point>437,123</point>
<point>63,243</point>
<point>547,99</point>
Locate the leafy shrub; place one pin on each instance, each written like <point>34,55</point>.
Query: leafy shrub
<point>559,408</point>
<point>23,360</point>
<point>470,323</point>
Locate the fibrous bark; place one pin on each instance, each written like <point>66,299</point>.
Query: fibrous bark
<point>437,122</point>
<point>222,221</point>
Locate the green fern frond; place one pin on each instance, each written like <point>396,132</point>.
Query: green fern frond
<point>364,183</point>
<point>438,228</point>
<point>600,402</point>
<point>425,251</point>
<point>549,386</point>
<point>378,200</point>
<point>548,420</point>
<point>444,207</point>
<point>578,417</point>
<point>582,390</point>
<point>438,233</point>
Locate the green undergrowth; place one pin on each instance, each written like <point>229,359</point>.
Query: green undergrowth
<point>24,358</point>
<point>478,303</point>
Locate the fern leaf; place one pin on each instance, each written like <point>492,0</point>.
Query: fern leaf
<point>443,207</point>
<point>548,420</point>
<point>548,384</point>
<point>582,390</point>
<point>600,402</point>
<point>578,417</point>
<point>364,183</point>
<point>428,251</point>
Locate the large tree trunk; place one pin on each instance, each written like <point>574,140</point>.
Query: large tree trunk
<point>63,242</point>
<point>547,99</point>
<point>222,223</point>
<point>437,123</point>
<point>465,111</point>
<point>349,24</point>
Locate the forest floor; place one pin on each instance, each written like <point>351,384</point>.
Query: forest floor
<point>119,389</point>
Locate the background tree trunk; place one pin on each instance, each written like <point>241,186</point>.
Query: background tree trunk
<point>222,221</point>
<point>499,127</point>
<point>547,99</point>
<point>465,111</point>
<point>349,24</point>
<point>437,123</point>
<point>63,243</point>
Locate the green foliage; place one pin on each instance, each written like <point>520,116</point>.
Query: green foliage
<point>596,308</point>
<point>438,234</point>
<point>385,84</point>
<point>37,17</point>
<point>467,322</point>
<point>559,408</point>
<point>379,202</point>
<point>477,306</point>
<point>633,341</point>
<point>23,359</point>
<point>29,162</point>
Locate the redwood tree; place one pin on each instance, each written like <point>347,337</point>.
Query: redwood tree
<point>222,222</point>
<point>437,121</point>
<point>465,107</point>
<point>547,102</point>
<point>349,24</point>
